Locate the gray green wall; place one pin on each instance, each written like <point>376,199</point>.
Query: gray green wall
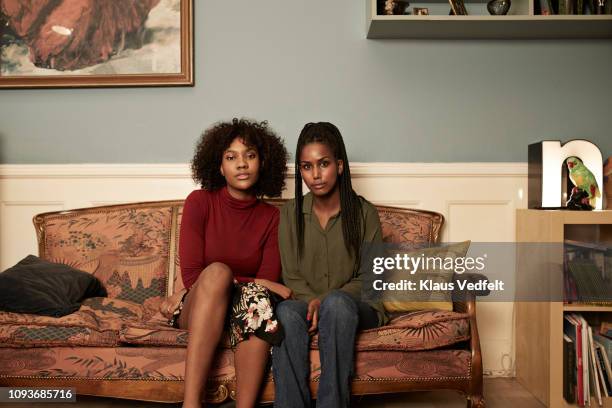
<point>291,62</point>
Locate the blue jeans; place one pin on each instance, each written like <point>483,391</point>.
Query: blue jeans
<point>339,318</point>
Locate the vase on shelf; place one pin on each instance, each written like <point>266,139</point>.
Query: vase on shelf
<point>498,7</point>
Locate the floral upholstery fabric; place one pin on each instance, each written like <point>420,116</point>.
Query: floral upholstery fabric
<point>434,365</point>
<point>164,363</point>
<point>110,322</point>
<point>409,226</point>
<point>133,249</point>
<point>422,330</point>
<point>96,323</point>
<point>126,248</point>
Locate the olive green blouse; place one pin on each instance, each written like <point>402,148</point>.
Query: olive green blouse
<point>326,264</point>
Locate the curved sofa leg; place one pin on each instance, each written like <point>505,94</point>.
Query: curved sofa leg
<point>475,394</point>
<point>475,401</point>
<point>217,396</point>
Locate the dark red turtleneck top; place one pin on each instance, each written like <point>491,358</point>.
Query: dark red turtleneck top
<point>243,234</point>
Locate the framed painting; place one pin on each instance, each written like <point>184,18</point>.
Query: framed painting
<point>93,43</point>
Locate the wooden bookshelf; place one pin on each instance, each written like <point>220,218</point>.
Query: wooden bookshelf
<point>586,308</point>
<point>520,23</point>
<point>539,325</point>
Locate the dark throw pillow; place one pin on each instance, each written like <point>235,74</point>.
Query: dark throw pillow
<point>40,287</point>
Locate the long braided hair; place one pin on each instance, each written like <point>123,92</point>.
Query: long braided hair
<point>350,205</point>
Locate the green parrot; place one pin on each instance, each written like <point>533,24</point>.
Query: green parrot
<point>583,179</point>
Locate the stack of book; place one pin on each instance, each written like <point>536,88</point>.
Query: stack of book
<point>588,273</point>
<point>587,352</point>
<point>549,7</point>
<point>607,171</point>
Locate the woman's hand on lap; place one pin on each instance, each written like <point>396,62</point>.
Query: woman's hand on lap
<point>313,315</point>
<point>170,304</point>
<point>280,289</point>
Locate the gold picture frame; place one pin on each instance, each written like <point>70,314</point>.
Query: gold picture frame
<point>151,44</point>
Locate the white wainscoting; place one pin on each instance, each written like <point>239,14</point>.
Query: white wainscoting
<point>478,201</point>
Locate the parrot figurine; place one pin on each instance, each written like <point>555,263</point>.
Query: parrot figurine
<point>584,180</point>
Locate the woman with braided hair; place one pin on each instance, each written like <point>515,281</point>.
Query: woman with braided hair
<point>320,239</point>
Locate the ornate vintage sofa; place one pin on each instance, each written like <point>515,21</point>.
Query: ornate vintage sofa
<point>121,346</point>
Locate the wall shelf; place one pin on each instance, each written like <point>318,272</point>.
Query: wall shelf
<point>481,26</point>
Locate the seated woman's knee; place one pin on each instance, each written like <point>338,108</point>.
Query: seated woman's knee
<point>216,277</point>
<point>340,304</point>
<point>288,313</point>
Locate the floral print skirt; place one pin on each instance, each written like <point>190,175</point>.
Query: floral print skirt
<point>252,311</point>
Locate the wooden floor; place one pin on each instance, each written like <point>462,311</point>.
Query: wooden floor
<point>499,393</point>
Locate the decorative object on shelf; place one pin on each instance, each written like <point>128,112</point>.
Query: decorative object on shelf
<point>498,7</point>
<point>457,8</point>
<point>586,190</point>
<point>396,7</point>
<point>420,11</point>
<point>547,167</point>
<point>61,43</point>
<point>578,200</point>
<point>601,7</point>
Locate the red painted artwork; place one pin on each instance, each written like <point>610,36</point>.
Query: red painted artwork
<point>48,39</point>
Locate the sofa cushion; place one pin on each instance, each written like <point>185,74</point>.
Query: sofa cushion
<point>39,287</point>
<point>32,335</point>
<point>406,301</point>
<point>96,324</point>
<point>421,330</point>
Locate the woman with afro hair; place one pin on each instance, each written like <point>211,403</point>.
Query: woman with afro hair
<point>229,258</point>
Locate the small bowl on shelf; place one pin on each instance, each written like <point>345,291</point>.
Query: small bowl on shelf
<point>498,7</point>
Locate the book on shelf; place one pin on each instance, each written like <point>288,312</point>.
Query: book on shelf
<point>605,342</point>
<point>573,329</point>
<point>569,369</point>
<point>598,253</point>
<point>589,282</point>
<point>568,6</point>
<point>587,272</point>
<point>607,170</point>
<point>575,7</point>
<point>603,366</point>
<point>546,7</point>
<point>594,373</point>
<point>587,375</point>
